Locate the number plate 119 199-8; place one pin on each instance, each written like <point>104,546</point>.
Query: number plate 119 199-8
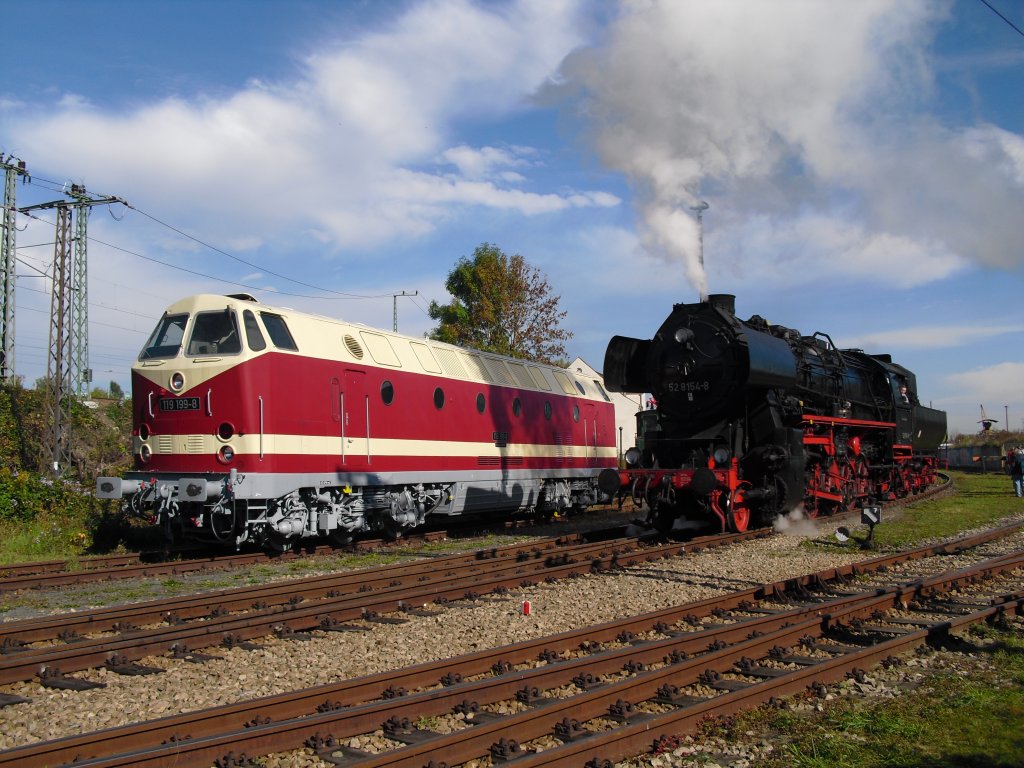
<point>179,403</point>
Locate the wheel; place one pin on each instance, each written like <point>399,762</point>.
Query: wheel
<point>737,516</point>
<point>638,495</point>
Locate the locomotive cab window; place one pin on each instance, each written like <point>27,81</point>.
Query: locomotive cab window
<point>253,334</point>
<point>278,330</point>
<point>214,333</point>
<point>166,338</point>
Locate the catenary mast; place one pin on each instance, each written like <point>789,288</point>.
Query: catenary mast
<point>12,168</point>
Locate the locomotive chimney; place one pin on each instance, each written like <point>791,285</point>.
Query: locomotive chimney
<point>723,301</point>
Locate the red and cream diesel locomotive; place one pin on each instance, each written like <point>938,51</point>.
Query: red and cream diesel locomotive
<point>261,424</point>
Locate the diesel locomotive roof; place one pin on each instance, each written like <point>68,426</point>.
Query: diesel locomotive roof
<point>330,338</point>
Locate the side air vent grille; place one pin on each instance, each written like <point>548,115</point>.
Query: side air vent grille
<point>499,461</point>
<point>354,347</point>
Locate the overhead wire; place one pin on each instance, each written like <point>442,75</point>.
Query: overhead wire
<point>61,188</point>
<point>337,295</point>
<point>1013,26</point>
<point>251,264</point>
<point>199,274</point>
<point>96,305</point>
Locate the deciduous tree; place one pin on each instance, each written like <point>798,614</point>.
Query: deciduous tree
<point>501,304</point>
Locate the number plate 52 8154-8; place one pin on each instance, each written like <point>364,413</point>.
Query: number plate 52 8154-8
<point>179,404</point>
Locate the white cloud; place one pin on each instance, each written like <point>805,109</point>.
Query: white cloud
<point>762,251</point>
<point>999,383</point>
<point>808,122</point>
<point>332,153</point>
<point>427,189</point>
<point>990,144</point>
<point>480,163</point>
<point>930,336</point>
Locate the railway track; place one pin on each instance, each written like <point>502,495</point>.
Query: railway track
<point>592,695</point>
<point>57,573</point>
<point>15,577</point>
<point>52,646</point>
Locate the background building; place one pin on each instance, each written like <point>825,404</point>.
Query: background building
<point>626,406</point>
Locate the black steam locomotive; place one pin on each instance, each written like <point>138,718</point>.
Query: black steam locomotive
<point>750,421</point>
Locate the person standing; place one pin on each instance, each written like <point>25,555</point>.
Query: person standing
<point>1015,467</point>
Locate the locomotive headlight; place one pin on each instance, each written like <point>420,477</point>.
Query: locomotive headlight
<point>684,335</point>
<point>632,457</point>
<point>226,454</point>
<point>721,455</point>
<point>177,381</point>
<point>145,453</point>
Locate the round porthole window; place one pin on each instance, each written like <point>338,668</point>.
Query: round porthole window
<point>575,413</point>
<point>387,392</point>
<point>481,402</point>
<point>547,410</point>
<point>439,398</point>
<point>517,407</point>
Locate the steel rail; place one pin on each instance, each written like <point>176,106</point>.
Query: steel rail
<point>52,573</point>
<point>636,738</point>
<point>130,646</point>
<point>139,643</point>
<point>350,693</point>
<point>55,573</point>
<point>275,593</point>
<point>755,638</point>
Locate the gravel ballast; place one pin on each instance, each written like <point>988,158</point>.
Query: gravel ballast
<point>280,665</point>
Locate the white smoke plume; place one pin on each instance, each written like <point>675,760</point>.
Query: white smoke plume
<point>792,112</point>
<point>795,523</point>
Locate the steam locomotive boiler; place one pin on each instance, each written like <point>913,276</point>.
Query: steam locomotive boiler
<point>750,421</point>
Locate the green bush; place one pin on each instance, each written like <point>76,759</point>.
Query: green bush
<point>24,496</point>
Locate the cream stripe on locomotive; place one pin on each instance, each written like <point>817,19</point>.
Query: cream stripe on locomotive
<point>270,445</point>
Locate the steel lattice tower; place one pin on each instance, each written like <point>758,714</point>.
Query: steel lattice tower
<point>67,366</point>
<point>81,375</point>
<point>7,263</point>
<point>58,368</point>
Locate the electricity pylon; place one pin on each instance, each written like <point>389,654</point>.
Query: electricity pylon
<point>12,168</point>
<point>67,366</point>
<point>81,374</point>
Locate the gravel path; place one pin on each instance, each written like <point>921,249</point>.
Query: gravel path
<point>281,665</point>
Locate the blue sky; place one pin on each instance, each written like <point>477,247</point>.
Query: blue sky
<point>863,163</point>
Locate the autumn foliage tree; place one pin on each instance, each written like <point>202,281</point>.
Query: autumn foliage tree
<point>501,304</point>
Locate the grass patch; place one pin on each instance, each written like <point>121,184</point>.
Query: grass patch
<point>961,719</point>
<point>48,536</point>
<point>979,500</point>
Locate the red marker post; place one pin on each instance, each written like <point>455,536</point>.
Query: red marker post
<point>526,607</point>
